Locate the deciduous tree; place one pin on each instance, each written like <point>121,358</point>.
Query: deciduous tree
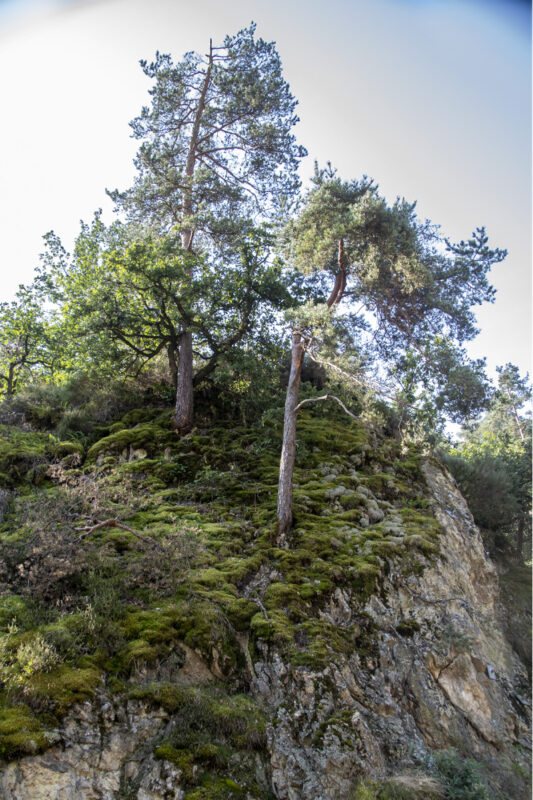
<point>123,302</point>
<point>29,344</point>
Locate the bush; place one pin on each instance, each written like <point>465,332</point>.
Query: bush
<point>461,777</point>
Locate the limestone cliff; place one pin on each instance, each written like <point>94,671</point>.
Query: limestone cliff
<point>334,670</point>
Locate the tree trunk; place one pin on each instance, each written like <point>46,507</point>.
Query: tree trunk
<point>520,539</point>
<point>288,451</point>
<point>11,381</point>
<point>172,365</point>
<point>183,417</point>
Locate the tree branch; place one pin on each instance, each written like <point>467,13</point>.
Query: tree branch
<point>324,397</point>
<point>113,523</point>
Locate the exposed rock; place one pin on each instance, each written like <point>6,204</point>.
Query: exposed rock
<point>374,512</point>
<point>374,714</point>
<point>431,669</point>
<point>101,746</point>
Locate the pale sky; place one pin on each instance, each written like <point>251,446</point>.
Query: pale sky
<point>431,98</point>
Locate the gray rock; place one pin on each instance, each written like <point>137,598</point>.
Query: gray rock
<point>335,492</point>
<point>374,512</point>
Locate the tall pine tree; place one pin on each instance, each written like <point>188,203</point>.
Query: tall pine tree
<point>217,153</point>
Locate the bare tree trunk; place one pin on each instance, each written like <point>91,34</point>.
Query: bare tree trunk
<point>288,451</point>
<point>11,381</point>
<point>183,416</point>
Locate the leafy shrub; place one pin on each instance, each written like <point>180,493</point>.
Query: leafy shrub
<point>20,659</point>
<point>461,777</point>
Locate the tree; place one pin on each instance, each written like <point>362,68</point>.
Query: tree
<point>415,292</point>
<point>29,344</point>
<point>217,152</point>
<point>493,464</point>
<point>124,302</point>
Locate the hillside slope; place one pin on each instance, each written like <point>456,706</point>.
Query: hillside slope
<point>174,652</point>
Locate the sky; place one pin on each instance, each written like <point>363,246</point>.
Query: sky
<point>431,98</point>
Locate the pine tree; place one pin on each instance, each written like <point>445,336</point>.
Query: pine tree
<point>217,153</point>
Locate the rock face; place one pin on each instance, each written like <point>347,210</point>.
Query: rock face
<point>103,747</point>
<point>439,675</point>
<point>432,671</point>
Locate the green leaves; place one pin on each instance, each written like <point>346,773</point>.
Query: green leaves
<point>493,461</point>
<point>30,341</point>
<point>125,295</point>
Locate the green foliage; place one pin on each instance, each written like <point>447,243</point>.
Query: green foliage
<point>416,290</point>
<point>212,730</point>
<point>462,778</point>
<point>492,465</point>
<point>241,153</point>
<point>30,344</point>
<point>21,733</point>
<point>414,787</point>
<point>123,301</point>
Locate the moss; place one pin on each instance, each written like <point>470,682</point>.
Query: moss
<point>61,688</point>
<point>278,628</point>
<point>365,791</point>
<point>62,449</point>
<point>199,623</point>
<point>21,452</point>
<point>207,712</point>
<point>145,435</point>
<point>317,643</point>
<point>412,787</point>
<point>216,788</point>
<point>13,609</point>
<point>21,733</point>
<point>217,489</point>
<point>340,725</point>
<point>150,635</point>
<point>285,596</point>
<point>408,627</point>
<point>364,576</point>
<point>240,612</point>
<point>421,543</point>
<point>210,577</point>
<point>181,759</point>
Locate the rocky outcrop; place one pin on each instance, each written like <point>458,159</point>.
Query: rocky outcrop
<point>102,746</point>
<point>437,674</point>
<point>431,670</point>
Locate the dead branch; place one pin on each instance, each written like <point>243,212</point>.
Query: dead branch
<point>114,523</point>
<point>324,397</point>
<point>366,384</point>
<point>258,603</point>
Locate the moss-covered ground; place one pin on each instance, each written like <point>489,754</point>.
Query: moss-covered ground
<point>83,608</point>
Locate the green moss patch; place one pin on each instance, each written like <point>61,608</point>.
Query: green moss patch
<point>24,455</point>
<point>21,733</point>
<point>61,688</point>
<point>214,733</point>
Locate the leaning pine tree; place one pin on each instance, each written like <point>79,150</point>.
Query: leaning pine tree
<point>217,153</point>
<point>417,289</point>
